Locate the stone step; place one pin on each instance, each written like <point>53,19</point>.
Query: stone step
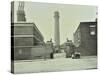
<point>60,55</point>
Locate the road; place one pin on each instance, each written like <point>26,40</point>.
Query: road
<point>58,64</point>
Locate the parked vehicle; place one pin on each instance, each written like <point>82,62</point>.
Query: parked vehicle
<point>76,55</point>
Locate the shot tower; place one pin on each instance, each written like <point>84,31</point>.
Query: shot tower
<point>56,31</point>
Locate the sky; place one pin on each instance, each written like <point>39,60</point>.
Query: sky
<point>42,14</point>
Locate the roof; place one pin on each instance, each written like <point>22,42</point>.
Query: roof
<point>33,24</point>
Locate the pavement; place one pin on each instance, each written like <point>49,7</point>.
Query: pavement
<point>57,64</point>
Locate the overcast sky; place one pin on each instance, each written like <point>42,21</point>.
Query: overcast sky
<point>42,14</point>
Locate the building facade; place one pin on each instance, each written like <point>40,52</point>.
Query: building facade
<point>24,37</point>
<point>85,38</point>
<point>27,42</point>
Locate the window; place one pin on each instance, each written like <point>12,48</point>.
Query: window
<point>78,36</point>
<point>92,30</point>
<point>20,51</point>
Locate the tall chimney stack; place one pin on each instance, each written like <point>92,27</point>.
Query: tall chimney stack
<point>20,12</point>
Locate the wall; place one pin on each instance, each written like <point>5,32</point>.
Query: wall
<point>88,43</point>
<point>38,52</point>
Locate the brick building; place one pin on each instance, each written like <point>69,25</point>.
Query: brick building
<point>85,38</point>
<point>24,37</point>
<point>27,42</point>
